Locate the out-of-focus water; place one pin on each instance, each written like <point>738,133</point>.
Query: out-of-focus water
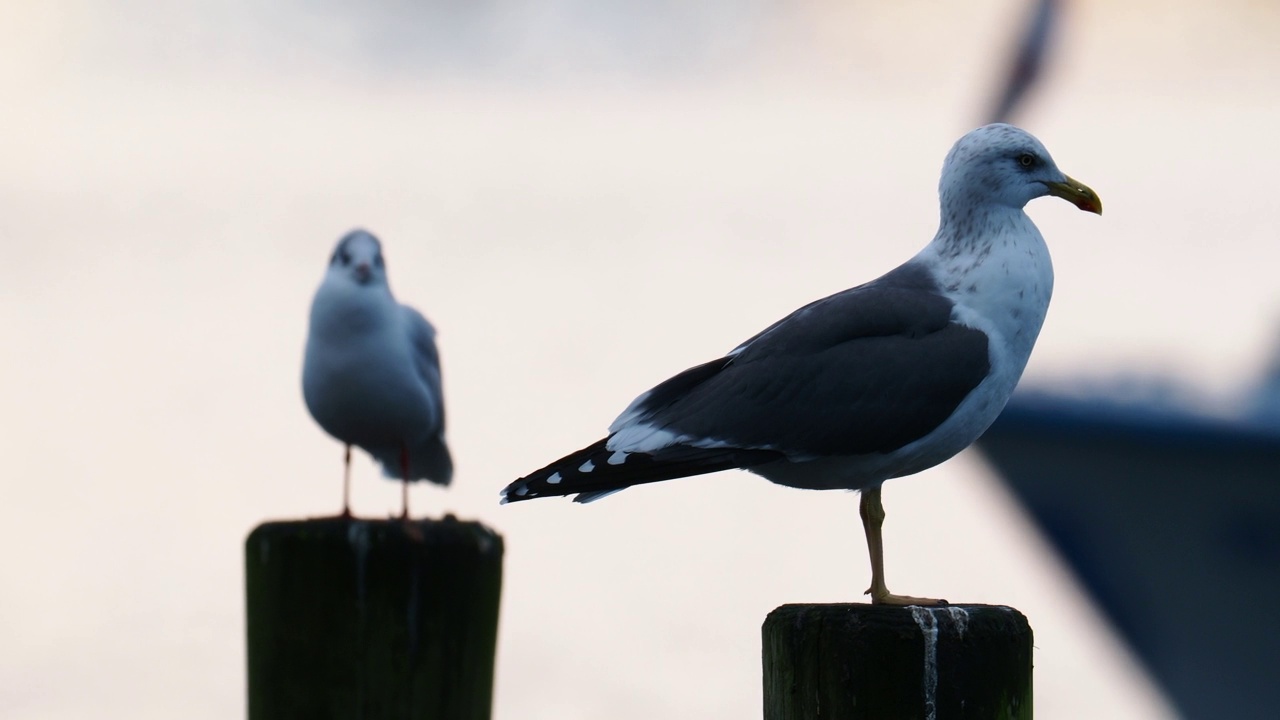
<point>584,198</point>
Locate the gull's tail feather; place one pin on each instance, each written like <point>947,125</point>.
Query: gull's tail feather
<point>595,471</point>
<point>428,460</point>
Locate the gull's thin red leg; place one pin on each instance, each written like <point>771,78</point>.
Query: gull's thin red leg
<point>404,482</point>
<point>346,484</point>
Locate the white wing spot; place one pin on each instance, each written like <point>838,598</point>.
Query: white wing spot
<point>587,466</point>
<point>554,479</point>
<point>618,458</point>
<point>523,489</point>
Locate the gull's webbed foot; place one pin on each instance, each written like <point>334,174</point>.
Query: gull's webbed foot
<point>887,598</point>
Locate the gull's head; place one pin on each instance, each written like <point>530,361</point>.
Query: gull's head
<point>1003,165</point>
<point>358,257</point>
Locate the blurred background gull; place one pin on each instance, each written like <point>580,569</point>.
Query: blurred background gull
<point>557,182</point>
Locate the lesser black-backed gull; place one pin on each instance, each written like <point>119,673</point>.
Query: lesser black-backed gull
<point>876,382</point>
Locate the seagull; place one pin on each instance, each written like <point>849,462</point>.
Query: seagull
<point>371,374</point>
<point>876,382</point>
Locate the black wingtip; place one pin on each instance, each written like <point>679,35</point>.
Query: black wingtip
<point>596,471</point>
<point>550,480</point>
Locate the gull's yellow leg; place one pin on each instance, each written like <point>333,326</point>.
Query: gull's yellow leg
<point>872,520</point>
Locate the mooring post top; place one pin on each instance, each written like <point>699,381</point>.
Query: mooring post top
<point>442,531</point>
<point>869,609</point>
<point>864,617</point>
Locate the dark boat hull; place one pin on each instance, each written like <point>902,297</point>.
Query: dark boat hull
<point>1171,521</point>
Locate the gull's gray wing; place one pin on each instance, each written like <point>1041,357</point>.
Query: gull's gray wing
<point>868,370</point>
<point>431,457</point>
<point>426,358</point>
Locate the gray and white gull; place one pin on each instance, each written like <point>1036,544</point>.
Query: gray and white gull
<point>877,382</point>
<point>371,375</point>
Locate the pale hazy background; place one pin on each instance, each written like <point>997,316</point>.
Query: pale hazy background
<point>585,197</point>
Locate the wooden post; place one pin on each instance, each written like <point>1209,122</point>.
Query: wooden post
<point>868,662</point>
<point>372,619</point>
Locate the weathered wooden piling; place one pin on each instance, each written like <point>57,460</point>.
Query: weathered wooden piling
<point>372,619</point>
<point>868,662</point>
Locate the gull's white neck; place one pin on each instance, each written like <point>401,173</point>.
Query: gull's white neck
<point>993,264</point>
<point>341,308</point>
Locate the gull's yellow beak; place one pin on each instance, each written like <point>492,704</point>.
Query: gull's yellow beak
<point>1076,193</point>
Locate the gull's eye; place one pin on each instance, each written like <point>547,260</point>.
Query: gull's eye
<point>1027,160</point>
<point>344,257</point>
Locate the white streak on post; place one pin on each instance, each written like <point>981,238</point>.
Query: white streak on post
<point>928,623</point>
<point>959,618</point>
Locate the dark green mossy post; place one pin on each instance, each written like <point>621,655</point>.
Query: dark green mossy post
<point>372,619</point>
<point>866,662</point>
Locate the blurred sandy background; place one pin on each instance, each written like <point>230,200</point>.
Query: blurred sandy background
<point>584,197</point>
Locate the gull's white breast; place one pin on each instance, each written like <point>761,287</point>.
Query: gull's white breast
<point>360,380</point>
